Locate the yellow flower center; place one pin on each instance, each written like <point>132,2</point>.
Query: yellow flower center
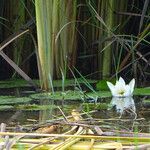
<point>121,92</point>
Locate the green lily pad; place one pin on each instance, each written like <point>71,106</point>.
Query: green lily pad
<point>67,95</point>
<point>71,82</point>
<point>6,97</point>
<point>14,100</point>
<point>56,83</point>
<point>6,107</point>
<point>142,91</point>
<point>71,95</point>
<point>35,107</point>
<point>102,84</point>
<point>94,106</point>
<point>16,83</point>
<point>100,94</point>
<point>45,95</point>
<point>146,101</point>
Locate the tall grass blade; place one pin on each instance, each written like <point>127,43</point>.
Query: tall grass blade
<point>143,14</point>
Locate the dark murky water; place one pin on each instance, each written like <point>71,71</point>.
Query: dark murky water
<point>112,113</point>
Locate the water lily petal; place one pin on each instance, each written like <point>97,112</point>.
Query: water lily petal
<point>115,93</point>
<point>131,84</point>
<point>121,81</point>
<point>117,84</point>
<point>120,85</point>
<point>111,87</point>
<point>127,91</point>
<point>120,88</point>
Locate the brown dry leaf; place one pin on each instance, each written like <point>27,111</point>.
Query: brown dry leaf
<point>48,129</point>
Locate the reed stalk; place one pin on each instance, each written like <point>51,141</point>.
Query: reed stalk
<point>15,13</point>
<point>19,12</point>
<point>74,141</point>
<point>55,54</point>
<point>109,17</point>
<point>105,24</point>
<point>66,52</point>
<point>131,139</point>
<point>44,34</point>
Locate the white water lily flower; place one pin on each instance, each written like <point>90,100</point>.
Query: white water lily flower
<point>121,89</point>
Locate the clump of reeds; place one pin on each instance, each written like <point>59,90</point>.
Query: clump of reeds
<point>56,38</point>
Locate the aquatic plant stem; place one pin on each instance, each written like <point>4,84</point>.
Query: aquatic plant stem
<point>107,53</point>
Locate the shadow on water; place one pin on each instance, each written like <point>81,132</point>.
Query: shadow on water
<point>114,113</point>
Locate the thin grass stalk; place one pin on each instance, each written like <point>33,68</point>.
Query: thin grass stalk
<point>100,46</point>
<point>121,20</point>
<point>50,50</point>
<point>107,21</point>
<point>85,81</point>
<point>134,65</point>
<point>67,38</point>
<point>55,29</point>
<point>119,60</point>
<point>63,37</point>
<point>140,39</point>
<point>19,12</point>
<point>16,17</point>
<point>72,34</point>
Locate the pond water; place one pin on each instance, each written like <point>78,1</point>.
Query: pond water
<point>131,114</point>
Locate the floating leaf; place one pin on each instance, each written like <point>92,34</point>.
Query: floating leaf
<point>15,83</point>
<point>142,91</point>
<point>6,107</point>
<point>35,107</point>
<point>56,83</point>
<point>67,95</point>
<point>14,100</point>
<point>102,85</point>
<point>100,94</point>
<point>94,106</point>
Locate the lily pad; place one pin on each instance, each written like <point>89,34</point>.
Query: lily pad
<point>6,97</point>
<point>16,83</point>
<point>14,100</point>
<point>56,83</point>
<point>100,94</point>
<point>102,84</point>
<point>6,107</point>
<point>35,107</point>
<point>147,100</point>
<point>38,96</point>
<point>94,106</point>
<point>67,95</point>
<point>142,91</point>
<point>71,95</point>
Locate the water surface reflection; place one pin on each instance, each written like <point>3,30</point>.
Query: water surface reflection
<point>124,104</point>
